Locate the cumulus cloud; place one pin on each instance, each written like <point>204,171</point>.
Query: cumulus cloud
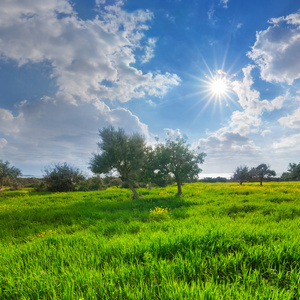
<point>149,50</point>
<point>228,142</point>
<point>89,59</point>
<point>92,62</point>
<point>249,98</point>
<point>276,50</point>
<point>43,131</point>
<point>291,142</point>
<point>291,120</point>
<point>172,133</point>
<point>227,149</point>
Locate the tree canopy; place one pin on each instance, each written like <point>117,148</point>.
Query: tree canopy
<point>7,173</point>
<point>176,158</point>
<point>241,174</point>
<point>262,171</point>
<point>293,172</point>
<point>121,152</point>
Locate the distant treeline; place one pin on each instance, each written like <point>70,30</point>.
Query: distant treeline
<point>138,165</point>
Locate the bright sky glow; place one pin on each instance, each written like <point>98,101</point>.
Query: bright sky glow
<point>199,68</point>
<point>219,87</point>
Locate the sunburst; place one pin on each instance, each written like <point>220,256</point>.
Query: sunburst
<point>216,89</point>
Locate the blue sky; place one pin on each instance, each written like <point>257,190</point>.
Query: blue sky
<point>224,73</point>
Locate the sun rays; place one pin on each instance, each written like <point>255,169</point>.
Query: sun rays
<point>215,89</point>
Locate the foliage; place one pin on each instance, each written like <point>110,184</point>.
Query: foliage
<point>216,179</point>
<point>91,184</point>
<point>293,172</point>
<point>177,159</point>
<point>152,171</point>
<point>222,241</point>
<point>29,182</point>
<point>120,152</point>
<point>261,171</point>
<point>115,182</point>
<point>241,174</point>
<point>8,175</point>
<point>62,178</point>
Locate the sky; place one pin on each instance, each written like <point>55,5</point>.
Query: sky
<point>223,73</point>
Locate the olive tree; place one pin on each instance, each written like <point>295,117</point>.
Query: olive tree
<point>262,171</point>
<point>176,158</point>
<point>7,173</point>
<point>119,152</point>
<point>241,174</point>
<point>293,172</point>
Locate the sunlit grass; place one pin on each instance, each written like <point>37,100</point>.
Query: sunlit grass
<point>219,241</point>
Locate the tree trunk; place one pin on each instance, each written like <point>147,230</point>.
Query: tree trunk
<point>179,188</point>
<point>135,194</point>
<point>241,182</point>
<point>149,186</point>
<point>261,182</point>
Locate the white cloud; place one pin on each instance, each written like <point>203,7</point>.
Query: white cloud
<point>89,59</point>
<point>225,3</point>
<point>249,98</point>
<point>151,103</point>
<point>172,133</point>
<point>211,15</point>
<point>291,142</point>
<point>3,142</point>
<point>228,149</point>
<point>149,50</point>
<point>228,142</point>
<point>50,130</point>
<point>7,124</point>
<point>276,50</point>
<point>265,132</point>
<point>291,121</point>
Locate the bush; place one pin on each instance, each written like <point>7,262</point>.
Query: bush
<point>92,184</point>
<point>63,178</point>
<point>8,175</point>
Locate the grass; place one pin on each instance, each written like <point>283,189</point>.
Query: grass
<point>219,241</point>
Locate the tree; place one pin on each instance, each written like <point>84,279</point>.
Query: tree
<point>261,171</point>
<point>7,173</point>
<point>62,178</point>
<point>120,152</point>
<point>175,158</point>
<point>151,170</point>
<point>241,174</point>
<point>293,172</point>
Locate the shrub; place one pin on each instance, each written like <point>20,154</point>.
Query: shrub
<point>62,178</point>
<point>92,184</point>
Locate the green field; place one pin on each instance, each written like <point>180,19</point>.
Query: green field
<point>219,241</point>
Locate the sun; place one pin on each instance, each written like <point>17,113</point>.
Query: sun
<point>218,87</point>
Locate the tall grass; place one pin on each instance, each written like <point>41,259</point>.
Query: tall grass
<point>219,241</point>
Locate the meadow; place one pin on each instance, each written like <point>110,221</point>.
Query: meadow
<point>219,241</point>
